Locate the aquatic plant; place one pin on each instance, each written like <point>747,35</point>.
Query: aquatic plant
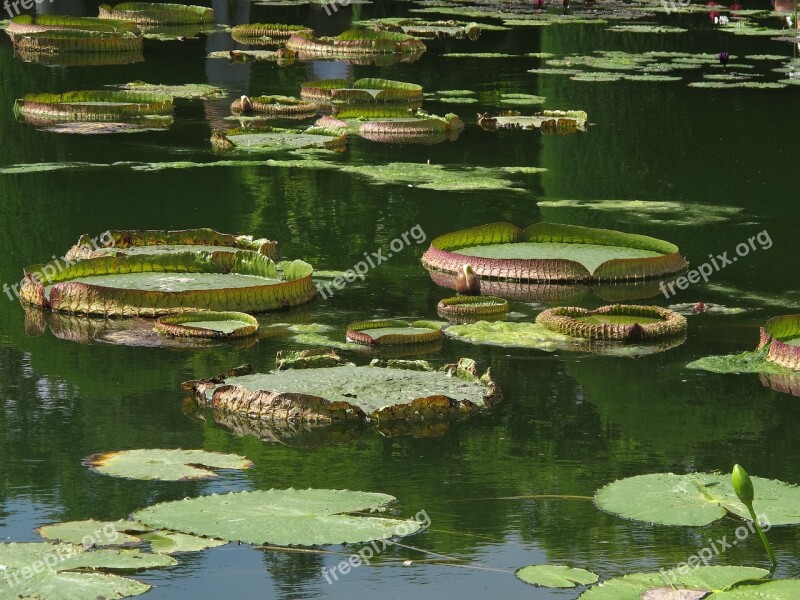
<point>467,281</point>
<point>355,42</point>
<point>555,576</point>
<point>320,388</point>
<point>623,322</point>
<point>157,13</point>
<point>164,464</point>
<point>422,28</point>
<point>743,486</point>
<point>93,106</point>
<point>781,335</point>
<point>152,285</point>
<point>273,106</point>
<point>255,33</point>
<point>269,139</point>
<point>459,306</point>
<point>208,324</point>
<point>24,24</point>
<point>548,121</point>
<point>369,90</point>
<point>391,331</point>
<point>549,252</point>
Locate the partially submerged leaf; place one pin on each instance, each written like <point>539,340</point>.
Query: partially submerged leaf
<point>190,91</point>
<point>556,576</point>
<point>164,464</point>
<point>281,517</point>
<point>93,533</point>
<point>391,331</point>
<point>170,542</point>
<point>670,593</point>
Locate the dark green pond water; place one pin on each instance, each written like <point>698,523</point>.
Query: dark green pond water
<point>724,164</point>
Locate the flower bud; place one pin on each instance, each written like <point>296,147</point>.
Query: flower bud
<point>742,485</point>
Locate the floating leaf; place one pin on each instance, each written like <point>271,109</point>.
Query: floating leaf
<point>164,464</point>
<point>556,576</point>
<point>281,517</point>
<point>93,533</point>
<point>171,542</point>
<point>389,331</point>
<point>696,499</point>
<point>208,324</point>
<point>187,90</point>
<point>669,593</point>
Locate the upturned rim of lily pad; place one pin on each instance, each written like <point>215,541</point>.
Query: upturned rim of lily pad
<point>566,320</point>
<point>443,254</point>
<point>774,332</point>
<point>361,90</point>
<point>294,285</point>
<point>273,106</point>
<point>356,43</point>
<point>56,41</point>
<point>157,13</point>
<point>472,305</point>
<point>359,333</point>
<point>22,24</point>
<point>185,324</point>
<point>251,33</point>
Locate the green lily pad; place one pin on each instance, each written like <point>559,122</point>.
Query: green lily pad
<point>777,589</point>
<point>521,99</point>
<point>746,362</point>
<point>281,517</point>
<point>696,499</point>
<point>556,576</point>
<point>93,533</point>
<point>631,587</point>
<point>436,177</point>
<point>190,91</point>
<point>647,29</point>
<point>383,332</point>
<point>269,139</point>
<point>208,324</point>
<point>501,333</point>
<point>55,571</point>
<point>164,464</point>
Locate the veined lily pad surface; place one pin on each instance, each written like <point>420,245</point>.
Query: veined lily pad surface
<point>696,499</point>
<point>92,105</point>
<point>392,331</point>
<point>356,42</point>
<point>162,284</point>
<point>70,41</point>
<point>282,517</point>
<point>322,388</point>
<point>163,464</point>
<point>266,33</point>
<point>190,91</point>
<point>556,576</point>
<point>269,139</point>
<point>551,252</point>
<point>369,90</point>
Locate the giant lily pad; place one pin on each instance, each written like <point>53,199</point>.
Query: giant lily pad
<point>274,106</point>
<point>29,574</point>
<point>266,33</point>
<point>91,533</point>
<point>549,252</point>
<point>208,324</point>
<point>268,139</point>
<point>345,392</point>
<point>355,42</point>
<point>129,242</point>
<point>162,284</point>
<point>368,90</point>
<point>102,105</point>
<point>696,499</point>
<point>281,517</point>
<point>782,336</point>
<point>157,13</point>
<point>459,306</point>
<point>394,125</point>
<point>431,29</point>
<point>548,121</point>
<point>632,587</point>
<point>164,465</point>
<point>555,576</point>
<point>191,91</point>
<point>388,332</point>
<point>23,24</point>
<point>614,322</point>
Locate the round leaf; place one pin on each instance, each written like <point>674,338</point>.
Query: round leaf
<point>556,576</point>
<point>165,465</point>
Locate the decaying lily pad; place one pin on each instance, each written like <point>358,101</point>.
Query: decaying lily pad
<point>270,139</point>
<point>701,308</point>
<point>670,593</point>
<point>161,284</point>
<point>631,587</point>
<point>549,252</point>
<point>623,322</point>
<point>355,42</point>
<point>391,331</point>
<point>556,576</point>
<point>650,211</point>
<point>436,177</point>
<point>157,13</point>
<point>164,464</point>
<point>280,517</point>
<point>549,121</point>
<point>189,91</point>
<point>282,56</point>
<point>129,242</point>
<point>696,499</point>
<point>459,306</point>
<point>68,577</point>
<point>323,394</point>
<point>369,90</point>
<point>266,33</point>
<point>208,324</point>
<point>430,29</point>
<point>634,28</point>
